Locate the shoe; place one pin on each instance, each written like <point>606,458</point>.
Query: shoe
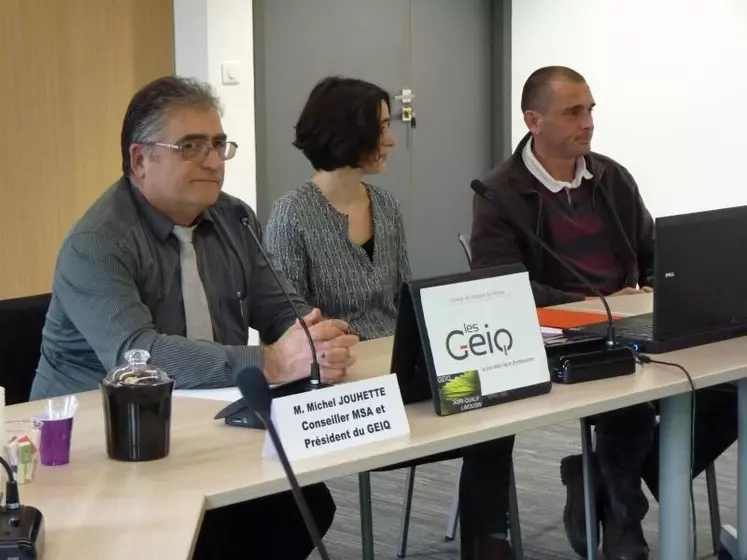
<point>625,504</point>
<point>574,514</point>
<point>622,541</point>
<point>490,548</point>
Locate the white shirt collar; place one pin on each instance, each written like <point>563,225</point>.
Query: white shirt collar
<point>553,185</point>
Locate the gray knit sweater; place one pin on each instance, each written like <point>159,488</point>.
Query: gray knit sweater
<point>309,240</point>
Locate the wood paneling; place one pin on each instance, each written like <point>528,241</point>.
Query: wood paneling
<point>67,71</point>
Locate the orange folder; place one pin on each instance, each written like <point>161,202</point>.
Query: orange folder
<point>566,318</point>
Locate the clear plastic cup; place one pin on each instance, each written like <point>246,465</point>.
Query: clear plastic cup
<point>56,425</point>
<point>21,448</point>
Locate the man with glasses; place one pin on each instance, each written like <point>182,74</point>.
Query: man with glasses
<point>161,262</point>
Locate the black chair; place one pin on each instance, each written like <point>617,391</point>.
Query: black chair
<point>21,324</point>
<point>464,242</point>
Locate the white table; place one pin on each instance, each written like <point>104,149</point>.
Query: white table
<point>153,510</point>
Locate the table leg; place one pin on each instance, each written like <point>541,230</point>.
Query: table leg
<point>742,471</point>
<point>364,493</point>
<point>730,540</point>
<point>675,529</point>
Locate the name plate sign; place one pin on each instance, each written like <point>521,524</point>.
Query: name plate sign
<point>339,417</point>
<point>480,340</point>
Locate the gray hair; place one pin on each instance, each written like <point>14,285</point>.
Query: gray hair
<point>147,111</point>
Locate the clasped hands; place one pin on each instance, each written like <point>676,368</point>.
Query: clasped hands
<point>289,358</point>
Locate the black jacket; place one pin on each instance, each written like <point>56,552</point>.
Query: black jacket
<point>496,240</point>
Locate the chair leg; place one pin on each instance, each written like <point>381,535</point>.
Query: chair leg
<point>406,509</point>
<point>514,525</point>
<point>453,520</point>
<point>589,484</point>
<point>713,506</point>
<point>364,495</point>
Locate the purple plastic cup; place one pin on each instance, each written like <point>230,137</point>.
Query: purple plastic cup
<point>55,441</point>
<point>56,426</point>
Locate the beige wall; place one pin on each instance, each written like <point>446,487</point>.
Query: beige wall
<point>67,71</point>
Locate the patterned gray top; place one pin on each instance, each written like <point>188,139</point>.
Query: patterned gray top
<point>310,242</point>
<point>117,287</point>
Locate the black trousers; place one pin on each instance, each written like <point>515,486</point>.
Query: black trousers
<point>625,422</point>
<point>716,427</point>
<point>268,527</point>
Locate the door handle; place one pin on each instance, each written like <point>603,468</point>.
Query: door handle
<point>408,116</point>
<point>407,113</point>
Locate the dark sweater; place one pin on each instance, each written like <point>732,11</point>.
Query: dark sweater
<point>517,198</point>
<point>577,233</point>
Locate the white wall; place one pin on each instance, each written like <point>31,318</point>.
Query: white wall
<point>670,81</point>
<point>208,33</point>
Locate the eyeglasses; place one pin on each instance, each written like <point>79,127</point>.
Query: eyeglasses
<point>197,152</point>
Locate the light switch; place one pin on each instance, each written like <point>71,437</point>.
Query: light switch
<point>230,73</point>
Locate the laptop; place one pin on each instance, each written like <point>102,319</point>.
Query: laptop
<point>700,285</point>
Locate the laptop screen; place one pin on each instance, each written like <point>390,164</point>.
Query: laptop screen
<point>700,272</point>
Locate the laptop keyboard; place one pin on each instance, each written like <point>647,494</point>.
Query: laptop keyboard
<point>635,331</point>
<point>637,327</point>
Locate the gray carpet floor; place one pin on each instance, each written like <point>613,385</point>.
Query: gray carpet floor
<point>541,499</point>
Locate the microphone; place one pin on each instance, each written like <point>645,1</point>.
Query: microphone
<point>315,378</point>
<point>23,535</point>
<point>238,413</point>
<point>255,391</point>
<point>610,339</point>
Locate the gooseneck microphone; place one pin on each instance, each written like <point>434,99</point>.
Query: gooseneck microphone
<point>482,191</point>
<point>315,377</point>
<point>256,392</point>
<point>12,501</point>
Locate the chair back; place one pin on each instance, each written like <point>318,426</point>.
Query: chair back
<point>464,240</point>
<point>21,324</point>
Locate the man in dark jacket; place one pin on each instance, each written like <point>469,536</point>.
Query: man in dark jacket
<point>588,209</point>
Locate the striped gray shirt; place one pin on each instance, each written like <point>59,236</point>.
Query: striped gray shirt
<point>310,242</point>
<point>117,286</point>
